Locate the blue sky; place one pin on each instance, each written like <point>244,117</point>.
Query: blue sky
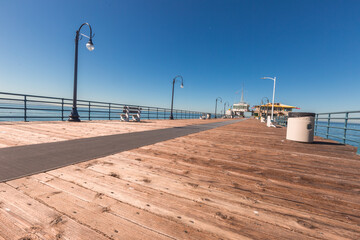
<point>312,47</point>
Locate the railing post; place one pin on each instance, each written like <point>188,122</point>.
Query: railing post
<point>62,109</point>
<point>157,113</point>
<point>328,126</point>
<point>316,123</point>
<point>25,109</point>
<point>89,111</point>
<point>164,113</point>
<point>148,113</point>
<point>345,126</point>
<point>109,111</point>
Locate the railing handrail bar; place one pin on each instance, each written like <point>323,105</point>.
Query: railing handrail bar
<point>80,100</point>
<point>358,111</point>
<point>340,118</point>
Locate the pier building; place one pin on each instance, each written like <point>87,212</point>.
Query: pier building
<point>279,109</point>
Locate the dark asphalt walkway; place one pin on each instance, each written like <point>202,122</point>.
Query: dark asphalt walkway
<point>20,161</point>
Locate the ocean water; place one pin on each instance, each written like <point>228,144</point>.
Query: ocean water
<point>336,132</point>
<point>10,111</point>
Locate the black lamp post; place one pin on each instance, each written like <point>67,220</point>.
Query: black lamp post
<point>172,98</point>
<point>225,107</point>
<point>74,116</point>
<point>216,104</point>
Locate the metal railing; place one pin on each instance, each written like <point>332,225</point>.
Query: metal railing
<point>343,127</point>
<point>281,120</point>
<point>22,107</point>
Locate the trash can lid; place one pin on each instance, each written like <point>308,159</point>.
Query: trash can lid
<point>301,114</point>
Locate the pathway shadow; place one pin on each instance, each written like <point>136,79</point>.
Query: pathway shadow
<point>327,143</point>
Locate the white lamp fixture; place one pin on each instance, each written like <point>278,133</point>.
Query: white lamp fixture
<point>90,45</point>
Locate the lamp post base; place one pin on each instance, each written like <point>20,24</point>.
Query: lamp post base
<point>74,116</point>
<point>171,117</point>
<point>74,119</point>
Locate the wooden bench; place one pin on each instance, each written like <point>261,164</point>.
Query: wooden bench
<point>134,112</point>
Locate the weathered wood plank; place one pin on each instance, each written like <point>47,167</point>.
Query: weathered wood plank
<point>341,189</point>
<point>139,217</point>
<point>323,165</point>
<point>242,181</point>
<point>206,217</point>
<point>249,189</point>
<point>24,133</point>
<point>196,190</point>
<point>93,215</point>
<point>26,217</point>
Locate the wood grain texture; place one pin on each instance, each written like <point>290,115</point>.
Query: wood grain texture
<point>240,181</point>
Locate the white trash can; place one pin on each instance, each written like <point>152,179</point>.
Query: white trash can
<point>300,127</point>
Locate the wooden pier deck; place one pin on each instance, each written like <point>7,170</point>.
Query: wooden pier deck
<point>240,181</point>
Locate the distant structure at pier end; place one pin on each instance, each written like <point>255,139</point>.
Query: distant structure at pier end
<point>239,109</point>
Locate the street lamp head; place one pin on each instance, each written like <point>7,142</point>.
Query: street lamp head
<point>181,78</point>
<point>274,78</point>
<point>90,45</point>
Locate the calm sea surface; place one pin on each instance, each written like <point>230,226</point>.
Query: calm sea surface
<point>337,133</point>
